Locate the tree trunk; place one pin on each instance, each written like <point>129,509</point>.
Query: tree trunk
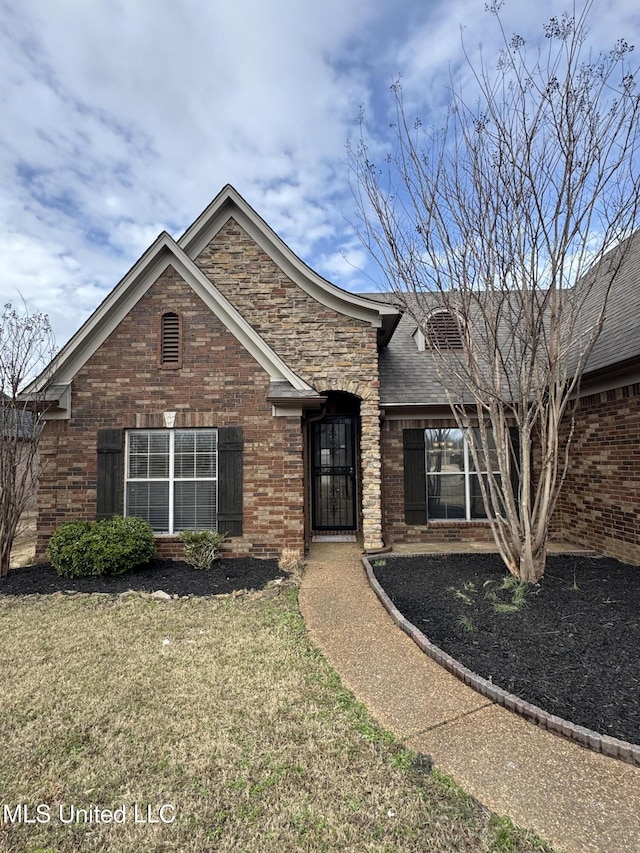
<point>532,562</point>
<point>8,532</point>
<point>5,554</point>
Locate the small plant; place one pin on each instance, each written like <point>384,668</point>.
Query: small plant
<point>516,589</point>
<point>464,593</point>
<point>505,607</point>
<point>291,562</point>
<point>111,546</point>
<point>466,624</point>
<point>489,592</point>
<point>379,564</point>
<point>202,547</point>
<point>66,548</point>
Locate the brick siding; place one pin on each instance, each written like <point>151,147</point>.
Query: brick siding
<point>599,505</point>
<point>220,384</point>
<point>395,527</point>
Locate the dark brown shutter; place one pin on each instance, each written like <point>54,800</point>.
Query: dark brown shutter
<point>230,480</point>
<point>415,477</point>
<point>109,481</point>
<point>170,339</point>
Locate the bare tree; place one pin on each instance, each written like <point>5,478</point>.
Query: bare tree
<point>26,347</point>
<point>495,218</point>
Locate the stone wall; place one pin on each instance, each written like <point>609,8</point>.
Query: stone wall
<point>219,384</point>
<point>599,504</point>
<point>331,351</point>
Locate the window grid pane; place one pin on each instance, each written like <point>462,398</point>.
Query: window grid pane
<point>445,450</point>
<point>446,496</point>
<point>195,505</point>
<point>172,478</point>
<point>453,488</point>
<point>492,457</point>
<point>148,456</point>
<point>150,500</point>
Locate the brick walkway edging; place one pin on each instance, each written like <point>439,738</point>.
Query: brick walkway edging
<point>611,746</point>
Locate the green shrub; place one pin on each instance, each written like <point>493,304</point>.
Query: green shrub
<point>108,547</point>
<point>66,547</point>
<point>202,547</point>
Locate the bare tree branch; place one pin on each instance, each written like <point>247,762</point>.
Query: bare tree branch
<point>497,217</point>
<point>26,347</point>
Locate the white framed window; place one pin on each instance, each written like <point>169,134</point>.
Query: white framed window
<point>171,478</point>
<point>453,484</point>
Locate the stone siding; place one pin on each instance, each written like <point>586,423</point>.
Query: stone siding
<point>219,384</point>
<point>331,351</point>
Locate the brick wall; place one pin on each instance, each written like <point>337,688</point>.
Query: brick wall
<point>396,530</point>
<point>219,385</point>
<point>599,505</point>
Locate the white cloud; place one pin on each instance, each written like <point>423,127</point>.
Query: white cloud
<point>121,119</point>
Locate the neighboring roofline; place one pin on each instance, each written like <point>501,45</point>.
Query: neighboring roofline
<point>230,204</point>
<point>164,252</point>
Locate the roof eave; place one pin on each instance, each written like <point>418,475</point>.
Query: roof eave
<point>162,253</point>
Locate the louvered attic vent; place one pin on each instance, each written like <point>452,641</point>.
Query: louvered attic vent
<point>170,344</point>
<point>442,331</point>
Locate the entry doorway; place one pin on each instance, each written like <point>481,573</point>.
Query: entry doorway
<point>334,499</point>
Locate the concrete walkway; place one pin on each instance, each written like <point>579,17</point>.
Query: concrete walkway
<point>576,799</point>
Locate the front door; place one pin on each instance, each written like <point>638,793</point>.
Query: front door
<point>333,473</point>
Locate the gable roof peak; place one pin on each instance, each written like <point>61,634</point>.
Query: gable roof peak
<point>228,204</point>
<point>162,253</point>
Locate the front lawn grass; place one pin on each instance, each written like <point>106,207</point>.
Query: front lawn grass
<point>221,708</point>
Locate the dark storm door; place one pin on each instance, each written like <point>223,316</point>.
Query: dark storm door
<point>333,473</point>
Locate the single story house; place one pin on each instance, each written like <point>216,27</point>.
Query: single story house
<point>224,384</point>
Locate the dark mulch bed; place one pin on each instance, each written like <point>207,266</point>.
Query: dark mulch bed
<point>171,576</point>
<point>571,649</point>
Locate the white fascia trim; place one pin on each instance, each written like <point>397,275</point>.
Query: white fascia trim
<point>229,203</point>
<point>163,252</point>
<point>419,339</point>
<point>287,412</point>
<point>94,331</point>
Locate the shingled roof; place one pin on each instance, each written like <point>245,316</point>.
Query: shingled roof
<point>408,376</point>
<point>619,341</point>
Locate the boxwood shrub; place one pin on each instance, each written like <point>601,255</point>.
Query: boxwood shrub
<point>108,547</point>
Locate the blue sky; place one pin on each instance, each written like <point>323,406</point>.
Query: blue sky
<point>121,118</point>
